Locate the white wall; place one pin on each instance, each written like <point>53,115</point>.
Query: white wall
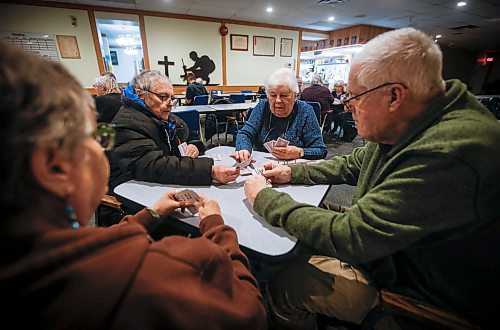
<point>22,18</point>
<point>243,68</point>
<point>176,38</point>
<point>126,68</point>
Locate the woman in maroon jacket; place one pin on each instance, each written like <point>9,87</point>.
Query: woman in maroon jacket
<point>57,273</point>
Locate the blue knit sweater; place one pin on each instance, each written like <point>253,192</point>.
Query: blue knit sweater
<point>301,128</point>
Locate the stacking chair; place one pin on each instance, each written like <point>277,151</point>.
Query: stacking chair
<point>237,98</point>
<point>214,94</point>
<point>192,119</point>
<point>247,91</point>
<point>317,111</point>
<point>200,100</point>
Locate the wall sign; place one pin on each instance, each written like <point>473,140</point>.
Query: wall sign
<point>42,44</point>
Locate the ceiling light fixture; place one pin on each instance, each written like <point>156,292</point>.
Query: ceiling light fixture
<point>269,9</point>
<point>461,4</point>
<point>438,36</point>
<point>331,18</point>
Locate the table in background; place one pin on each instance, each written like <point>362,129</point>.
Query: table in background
<point>254,232</point>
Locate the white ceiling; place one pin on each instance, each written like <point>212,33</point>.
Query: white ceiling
<point>474,26</point>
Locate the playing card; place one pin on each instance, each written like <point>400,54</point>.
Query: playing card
<point>267,145</point>
<point>182,148</point>
<point>273,143</point>
<point>281,143</point>
<point>216,157</point>
<point>187,195</point>
<point>243,164</point>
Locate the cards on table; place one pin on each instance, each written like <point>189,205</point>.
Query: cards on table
<point>243,164</point>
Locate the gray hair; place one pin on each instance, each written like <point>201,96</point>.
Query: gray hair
<point>34,114</point>
<point>339,83</point>
<point>282,77</point>
<point>405,56</point>
<point>317,79</point>
<point>149,79</point>
<point>108,83</point>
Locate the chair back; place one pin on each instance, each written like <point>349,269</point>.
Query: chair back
<point>214,94</point>
<point>200,100</point>
<point>192,119</point>
<point>317,109</point>
<point>247,91</point>
<point>237,98</point>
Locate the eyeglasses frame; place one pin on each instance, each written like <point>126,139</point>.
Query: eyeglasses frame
<point>347,100</point>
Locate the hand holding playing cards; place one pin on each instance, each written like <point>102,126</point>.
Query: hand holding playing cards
<point>192,151</point>
<point>225,174</point>
<point>287,153</point>
<point>241,155</point>
<point>167,204</point>
<point>253,186</point>
<point>207,207</point>
<point>277,173</point>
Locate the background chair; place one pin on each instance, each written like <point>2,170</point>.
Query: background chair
<point>317,111</point>
<point>192,119</point>
<point>215,121</point>
<point>214,94</point>
<point>247,91</point>
<point>237,98</point>
<point>200,100</point>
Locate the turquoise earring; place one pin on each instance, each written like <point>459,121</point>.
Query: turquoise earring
<point>72,217</point>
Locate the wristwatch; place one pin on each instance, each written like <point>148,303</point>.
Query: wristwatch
<point>301,152</point>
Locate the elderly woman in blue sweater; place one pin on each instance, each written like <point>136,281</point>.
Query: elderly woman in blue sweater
<point>281,115</point>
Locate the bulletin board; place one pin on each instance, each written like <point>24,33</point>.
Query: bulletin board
<point>42,44</point>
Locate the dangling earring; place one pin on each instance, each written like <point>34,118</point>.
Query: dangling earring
<point>72,217</point>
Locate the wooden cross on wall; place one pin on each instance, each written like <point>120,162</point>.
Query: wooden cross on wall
<point>166,63</point>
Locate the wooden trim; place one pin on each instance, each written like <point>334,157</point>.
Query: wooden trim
<point>299,51</point>
<point>157,14</point>
<point>224,71</point>
<point>145,52</point>
<point>95,37</point>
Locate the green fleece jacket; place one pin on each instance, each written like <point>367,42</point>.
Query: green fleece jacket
<point>425,219</point>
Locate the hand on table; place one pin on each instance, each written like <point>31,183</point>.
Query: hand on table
<point>225,174</point>
<point>277,173</point>
<point>253,185</point>
<point>287,153</point>
<point>167,204</point>
<point>241,155</point>
<point>192,151</point>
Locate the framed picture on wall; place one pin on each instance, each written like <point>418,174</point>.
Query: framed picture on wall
<point>263,46</point>
<point>239,42</point>
<point>114,57</point>
<point>286,47</point>
<point>68,46</point>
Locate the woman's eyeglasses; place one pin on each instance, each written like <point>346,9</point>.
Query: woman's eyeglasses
<point>105,135</point>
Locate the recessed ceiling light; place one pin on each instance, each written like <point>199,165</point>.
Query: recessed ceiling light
<point>438,36</point>
<point>461,4</point>
<point>331,18</point>
<point>269,9</point>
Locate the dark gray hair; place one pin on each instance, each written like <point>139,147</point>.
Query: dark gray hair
<point>34,114</point>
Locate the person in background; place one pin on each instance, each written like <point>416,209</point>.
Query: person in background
<point>281,115</point>
<point>148,138</point>
<point>425,219</point>
<point>319,93</point>
<point>299,85</point>
<point>108,98</point>
<point>337,107</point>
<point>194,88</point>
<point>73,276</point>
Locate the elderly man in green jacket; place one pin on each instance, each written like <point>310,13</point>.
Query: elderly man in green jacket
<point>425,219</point>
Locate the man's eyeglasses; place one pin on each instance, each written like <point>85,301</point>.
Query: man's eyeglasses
<point>163,98</point>
<point>347,98</point>
<point>105,135</point>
